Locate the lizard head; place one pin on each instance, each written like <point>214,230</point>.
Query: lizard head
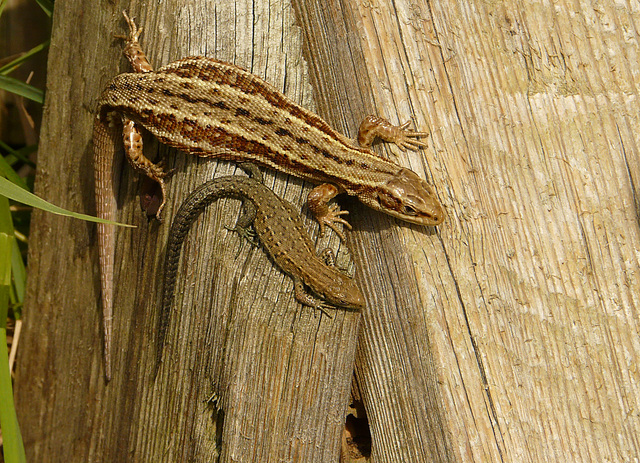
<point>409,198</point>
<point>341,292</point>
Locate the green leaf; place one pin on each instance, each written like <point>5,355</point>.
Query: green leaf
<point>17,264</point>
<point>9,67</point>
<point>21,195</point>
<point>21,154</point>
<point>8,172</point>
<point>12,439</point>
<point>19,280</point>
<point>20,88</point>
<point>6,222</point>
<point>47,6</point>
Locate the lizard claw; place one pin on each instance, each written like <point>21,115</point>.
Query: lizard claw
<point>134,31</point>
<point>161,172</point>
<point>132,49</point>
<point>331,218</point>
<point>322,308</point>
<point>377,127</point>
<point>246,234</point>
<point>403,137</point>
<point>327,215</point>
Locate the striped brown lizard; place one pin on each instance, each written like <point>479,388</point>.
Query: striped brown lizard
<point>278,227</point>
<point>210,108</point>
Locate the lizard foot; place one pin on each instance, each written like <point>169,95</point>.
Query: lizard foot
<point>327,215</point>
<point>331,219</point>
<point>132,48</point>
<point>377,127</point>
<point>246,234</point>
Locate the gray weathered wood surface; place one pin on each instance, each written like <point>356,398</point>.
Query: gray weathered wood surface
<point>510,333</point>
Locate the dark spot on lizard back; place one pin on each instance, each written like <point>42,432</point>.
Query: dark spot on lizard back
<point>242,112</point>
<point>283,132</point>
<point>220,105</point>
<point>263,121</point>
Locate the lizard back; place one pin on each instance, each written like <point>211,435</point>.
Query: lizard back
<point>213,109</point>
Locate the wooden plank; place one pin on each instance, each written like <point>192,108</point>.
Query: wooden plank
<point>281,373</point>
<point>528,296</point>
<point>509,333</point>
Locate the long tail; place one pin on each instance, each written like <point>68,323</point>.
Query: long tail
<point>105,138</point>
<point>192,207</point>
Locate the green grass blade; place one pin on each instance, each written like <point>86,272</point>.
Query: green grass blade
<point>12,439</point>
<point>21,154</point>
<point>6,222</point>
<point>19,280</point>
<point>47,6</point>
<point>9,67</point>
<point>16,296</point>
<point>21,195</point>
<point>7,171</point>
<point>20,88</point>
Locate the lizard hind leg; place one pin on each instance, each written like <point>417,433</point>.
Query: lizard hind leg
<point>134,153</point>
<point>249,211</point>
<point>243,226</point>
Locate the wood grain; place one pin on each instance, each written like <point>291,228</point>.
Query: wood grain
<point>529,297</point>
<point>509,333</point>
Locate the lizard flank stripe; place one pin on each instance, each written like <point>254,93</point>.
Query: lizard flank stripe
<point>210,118</point>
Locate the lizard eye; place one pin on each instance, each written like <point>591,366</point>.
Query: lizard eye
<point>408,210</point>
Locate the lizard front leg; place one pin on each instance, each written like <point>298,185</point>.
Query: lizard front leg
<point>304,298</point>
<point>327,214</point>
<point>373,127</point>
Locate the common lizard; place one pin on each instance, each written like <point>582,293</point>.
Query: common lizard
<point>280,230</point>
<point>210,108</point>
